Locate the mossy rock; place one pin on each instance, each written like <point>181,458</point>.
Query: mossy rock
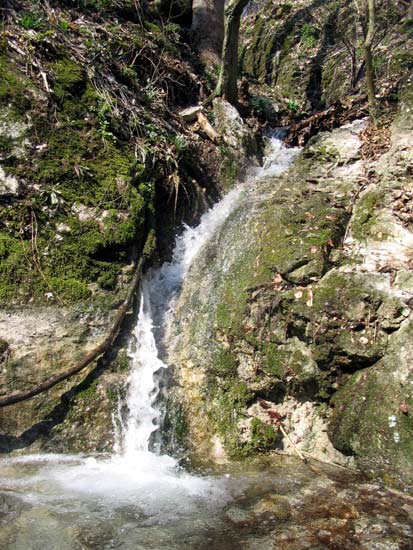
<point>372,413</point>
<point>69,78</point>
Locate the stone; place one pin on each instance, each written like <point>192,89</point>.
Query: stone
<point>9,185</point>
<point>275,506</point>
<point>190,114</point>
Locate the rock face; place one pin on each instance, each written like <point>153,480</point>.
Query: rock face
<point>241,144</point>
<point>305,299</point>
<point>308,55</point>
<point>74,416</point>
<point>372,410</point>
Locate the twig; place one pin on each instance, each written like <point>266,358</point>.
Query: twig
<point>297,450</point>
<point>334,464</point>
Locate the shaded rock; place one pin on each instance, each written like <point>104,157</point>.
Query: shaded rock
<point>190,114</point>
<point>368,420</point>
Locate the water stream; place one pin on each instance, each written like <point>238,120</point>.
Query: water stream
<point>139,498</point>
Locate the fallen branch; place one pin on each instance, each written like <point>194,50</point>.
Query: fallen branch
<point>207,127</point>
<point>335,115</point>
<point>294,447</point>
<point>276,421</point>
<point>96,352</point>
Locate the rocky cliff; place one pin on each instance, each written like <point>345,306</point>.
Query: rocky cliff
<point>307,308</point>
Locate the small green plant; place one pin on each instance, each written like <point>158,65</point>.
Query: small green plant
<point>129,71</point>
<point>152,93</point>
<point>262,107</point>
<point>180,142</point>
<point>30,21</point>
<point>63,25</point>
<point>293,106</point>
<point>212,117</point>
<point>103,129</point>
<point>309,35</point>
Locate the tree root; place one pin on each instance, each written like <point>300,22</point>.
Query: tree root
<point>97,352</point>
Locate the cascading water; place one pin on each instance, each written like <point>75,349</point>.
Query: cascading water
<point>159,290</point>
<point>158,293</point>
<point>137,474</point>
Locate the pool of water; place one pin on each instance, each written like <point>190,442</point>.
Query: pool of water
<point>149,502</point>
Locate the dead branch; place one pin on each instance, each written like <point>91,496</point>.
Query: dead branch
<point>207,127</point>
<point>335,115</point>
<point>97,352</point>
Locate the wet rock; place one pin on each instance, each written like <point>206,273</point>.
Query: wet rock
<point>243,145</point>
<point>239,516</point>
<point>274,506</point>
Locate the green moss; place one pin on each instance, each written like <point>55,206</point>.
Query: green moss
<point>223,362</point>
<point>14,88</point>
<point>274,359</point>
<point>75,171</point>
<point>365,214</point>
<point>121,362</point>
<point>89,393</point>
<point>229,398</point>
<point>263,436</point>
<point>68,289</point>
<point>69,78</point>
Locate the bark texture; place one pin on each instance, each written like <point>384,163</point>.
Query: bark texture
<point>368,56</point>
<point>208,26</point>
<point>227,84</point>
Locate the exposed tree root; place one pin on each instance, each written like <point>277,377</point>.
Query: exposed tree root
<point>97,352</point>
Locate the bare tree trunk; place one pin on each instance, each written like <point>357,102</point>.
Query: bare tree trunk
<point>410,12</point>
<point>227,83</point>
<point>208,27</point>
<point>368,57</point>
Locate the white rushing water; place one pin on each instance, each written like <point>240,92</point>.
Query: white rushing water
<point>136,472</point>
<point>159,290</point>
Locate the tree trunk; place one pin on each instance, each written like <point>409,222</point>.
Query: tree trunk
<point>410,12</point>
<point>368,57</point>
<point>227,83</point>
<point>208,27</point>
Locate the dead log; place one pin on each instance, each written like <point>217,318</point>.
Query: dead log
<point>336,115</point>
<point>208,129</point>
<point>97,352</point>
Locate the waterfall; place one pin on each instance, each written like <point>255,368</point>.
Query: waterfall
<point>160,288</point>
<point>138,492</point>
